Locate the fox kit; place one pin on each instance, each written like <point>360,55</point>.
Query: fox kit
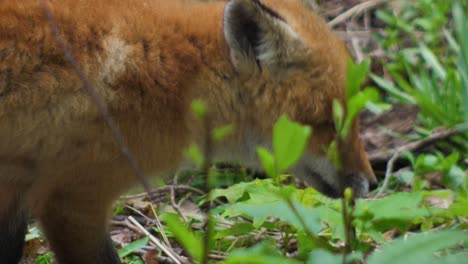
<point>249,60</point>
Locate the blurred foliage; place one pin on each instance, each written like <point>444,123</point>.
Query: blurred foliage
<point>426,44</point>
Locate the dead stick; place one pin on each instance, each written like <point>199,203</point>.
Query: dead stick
<point>356,10</point>
<point>412,146</point>
<point>155,241</point>
<point>388,173</point>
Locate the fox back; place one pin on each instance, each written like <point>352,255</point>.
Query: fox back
<point>250,61</point>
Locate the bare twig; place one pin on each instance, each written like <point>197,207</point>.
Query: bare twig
<point>176,206</point>
<point>355,10</point>
<point>232,245</point>
<point>388,173</point>
<point>166,188</point>
<point>183,199</point>
<point>260,235</point>
<point>431,139</point>
<point>140,213</point>
<point>160,227</point>
<point>156,221</point>
<point>177,259</point>
<point>357,50</point>
<point>125,223</point>
<point>442,134</point>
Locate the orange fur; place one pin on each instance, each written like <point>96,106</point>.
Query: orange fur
<point>147,61</point>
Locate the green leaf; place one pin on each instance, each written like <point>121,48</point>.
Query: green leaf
<point>449,259</point>
<point>461,29</point>
<point>44,258</point>
<point>356,75</point>
<point>194,154</point>
<point>238,229</point>
<point>199,108</point>
<point>134,260</point>
<point>417,249</point>
<point>454,178</point>
<point>338,115</point>
<point>397,210</point>
<point>221,133</point>
<point>392,90</point>
<point>193,244</point>
<point>268,162</point>
<point>258,190</point>
<point>289,141</point>
<point>132,247</point>
<point>261,211</point>
<point>265,252</point>
<point>233,193</point>
<point>320,256</point>
<point>334,220</point>
<point>432,60</point>
<point>333,155</point>
<point>458,208</point>
<point>355,105</point>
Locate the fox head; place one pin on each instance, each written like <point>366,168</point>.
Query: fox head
<point>288,61</point>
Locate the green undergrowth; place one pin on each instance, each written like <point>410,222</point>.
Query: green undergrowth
<point>426,58</point>
<point>272,221</point>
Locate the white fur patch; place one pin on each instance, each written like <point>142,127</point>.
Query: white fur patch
<point>114,59</point>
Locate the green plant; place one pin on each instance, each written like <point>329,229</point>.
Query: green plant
<point>427,63</point>
<point>312,219</point>
<point>44,259</point>
<point>421,248</point>
<point>132,247</point>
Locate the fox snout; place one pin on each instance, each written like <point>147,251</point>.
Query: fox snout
<point>360,183</point>
<point>320,173</point>
<point>323,176</point>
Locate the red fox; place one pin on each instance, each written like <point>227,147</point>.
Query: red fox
<point>249,60</point>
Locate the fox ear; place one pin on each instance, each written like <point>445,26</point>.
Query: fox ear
<point>257,34</point>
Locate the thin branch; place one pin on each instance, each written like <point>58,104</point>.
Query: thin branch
<point>141,214</point>
<point>355,10</point>
<point>153,239</point>
<point>160,227</point>
<point>388,173</point>
<point>175,206</point>
<point>442,133</point>
<point>156,222</point>
<point>166,188</point>
<point>429,140</point>
<point>127,224</point>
